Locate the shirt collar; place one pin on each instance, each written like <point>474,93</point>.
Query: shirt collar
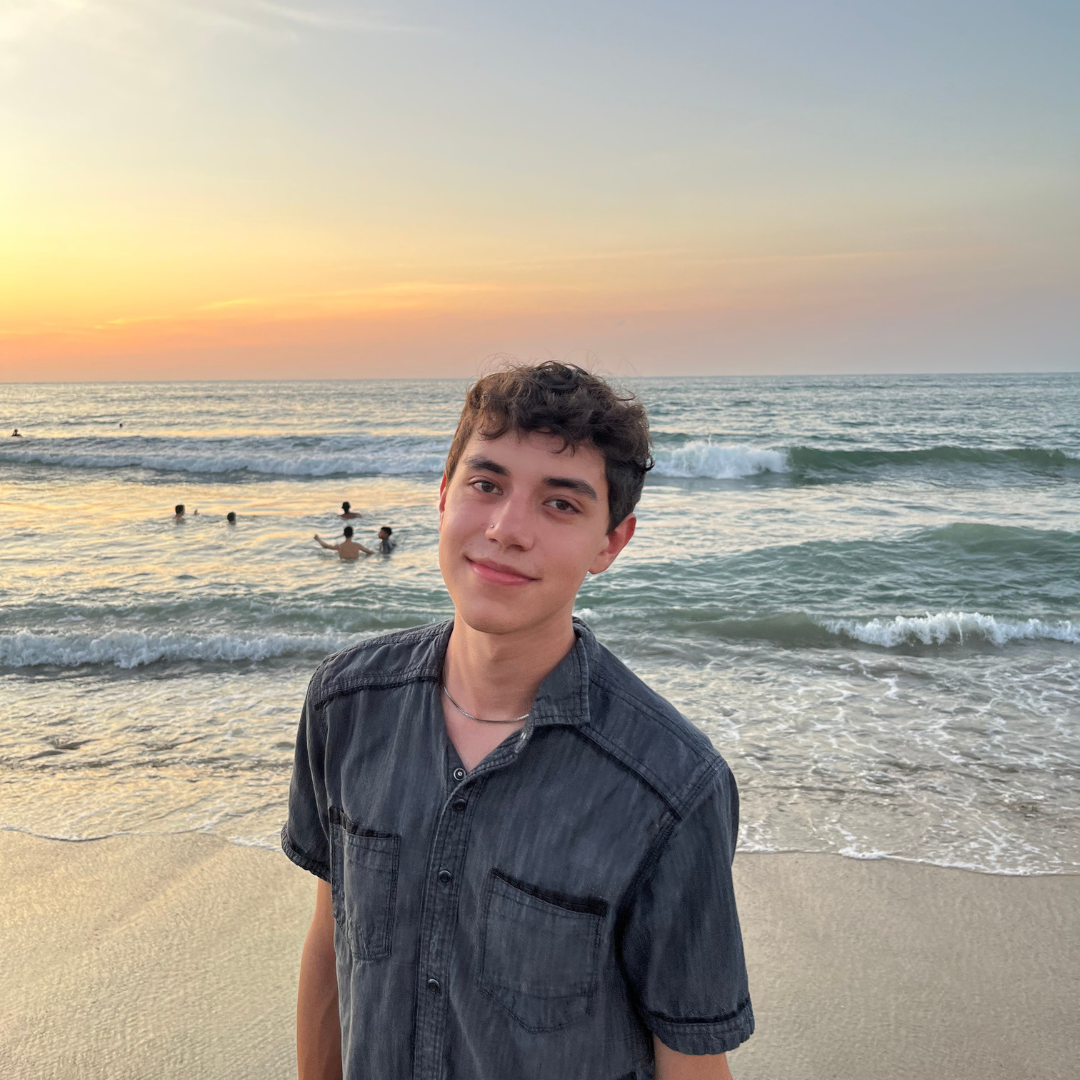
<point>563,697</point>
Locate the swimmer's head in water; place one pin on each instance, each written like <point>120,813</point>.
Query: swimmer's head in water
<point>346,506</point>
<point>179,509</point>
<point>348,532</point>
<point>384,532</point>
<point>230,517</point>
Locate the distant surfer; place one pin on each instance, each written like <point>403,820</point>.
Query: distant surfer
<point>386,545</point>
<point>15,434</point>
<point>346,511</point>
<point>348,548</point>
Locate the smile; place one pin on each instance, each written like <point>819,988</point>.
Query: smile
<point>496,573</point>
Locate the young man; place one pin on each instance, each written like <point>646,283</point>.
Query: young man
<point>346,511</point>
<point>348,548</point>
<point>524,853</point>
<point>386,545</point>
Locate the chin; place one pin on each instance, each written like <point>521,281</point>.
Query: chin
<point>502,615</point>
<point>492,618</point>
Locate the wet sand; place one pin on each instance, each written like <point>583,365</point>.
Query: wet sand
<point>176,957</point>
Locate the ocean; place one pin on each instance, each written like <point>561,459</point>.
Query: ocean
<point>865,590</point>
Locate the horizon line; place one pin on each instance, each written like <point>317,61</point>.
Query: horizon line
<point>604,375</point>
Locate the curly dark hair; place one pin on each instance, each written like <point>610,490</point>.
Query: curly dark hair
<point>574,405</point>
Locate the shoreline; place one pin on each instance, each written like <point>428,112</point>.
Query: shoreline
<point>741,853</point>
<point>176,957</point>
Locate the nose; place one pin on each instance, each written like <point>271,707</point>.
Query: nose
<point>512,523</point>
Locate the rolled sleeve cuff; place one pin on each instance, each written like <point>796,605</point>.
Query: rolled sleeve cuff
<point>314,866</point>
<point>713,1036</point>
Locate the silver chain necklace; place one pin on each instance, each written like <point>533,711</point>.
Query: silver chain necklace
<point>517,720</point>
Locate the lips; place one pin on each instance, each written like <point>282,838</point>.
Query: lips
<point>497,573</point>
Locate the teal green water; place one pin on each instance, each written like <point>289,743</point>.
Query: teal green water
<point>865,590</point>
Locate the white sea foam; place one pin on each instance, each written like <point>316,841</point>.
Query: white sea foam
<point>351,456</point>
<point>131,648</point>
<point>946,626</point>
<point>392,457</point>
<point>718,461</point>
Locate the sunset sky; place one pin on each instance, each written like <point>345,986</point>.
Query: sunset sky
<point>248,188</point>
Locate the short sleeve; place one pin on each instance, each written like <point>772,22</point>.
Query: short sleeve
<point>305,837</point>
<point>681,944</point>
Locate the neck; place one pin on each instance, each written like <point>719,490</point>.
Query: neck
<point>496,676</point>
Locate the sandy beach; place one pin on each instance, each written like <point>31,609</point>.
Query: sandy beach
<point>176,957</point>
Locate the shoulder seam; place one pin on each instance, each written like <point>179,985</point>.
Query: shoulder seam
<point>643,705</point>
<point>634,767</point>
<point>336,687</point>
<point>416,673</point>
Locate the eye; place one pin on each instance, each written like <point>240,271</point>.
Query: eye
<point>485,487</point>
<point>563,506</point>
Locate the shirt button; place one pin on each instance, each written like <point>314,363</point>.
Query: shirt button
<point>433,985</point>
<point>445,877</point>
<point>459,774</point>
<point>458,805</point>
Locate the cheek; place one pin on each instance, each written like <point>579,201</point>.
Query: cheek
<point>460,520</point>
<point>569,558</point>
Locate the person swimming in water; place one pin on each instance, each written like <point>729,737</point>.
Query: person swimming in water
<point>348,548</point>
<point>346,511</point>
<point>15,434</point>
<point>178,511</point>
<point>230,517</point>
<point>386,545</point>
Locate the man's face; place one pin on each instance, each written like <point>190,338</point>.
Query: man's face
<point>521,523</point>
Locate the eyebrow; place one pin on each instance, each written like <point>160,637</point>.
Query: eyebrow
<point>580,486</point>
<point>486,465</point>
<point>565,483</point>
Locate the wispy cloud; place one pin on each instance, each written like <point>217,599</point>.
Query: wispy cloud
<point>362,301</point>
<point>323,18</point>
<point>24,21</point>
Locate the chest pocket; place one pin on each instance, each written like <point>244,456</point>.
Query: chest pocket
<point>539,952</point>
<point>363,882</point>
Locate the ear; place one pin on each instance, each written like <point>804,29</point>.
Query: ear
<point>442,498</point>
<point>617,539</point>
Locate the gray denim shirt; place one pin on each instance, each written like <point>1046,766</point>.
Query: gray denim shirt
<point>538,917</point>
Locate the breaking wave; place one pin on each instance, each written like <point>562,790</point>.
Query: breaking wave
<point>946,627</point>
<point>707,458</point>
<point>801,630</point>
<point>297,457</point>
<point>132,648</point>
<point>677,456</point>
<point>811,459</point>
<point>701,458</point>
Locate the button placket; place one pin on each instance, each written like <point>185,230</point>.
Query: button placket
<point>440,907</point>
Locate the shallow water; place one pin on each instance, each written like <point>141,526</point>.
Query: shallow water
<point>865,590</point>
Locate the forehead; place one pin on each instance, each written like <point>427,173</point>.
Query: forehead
<point>536,453</point>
